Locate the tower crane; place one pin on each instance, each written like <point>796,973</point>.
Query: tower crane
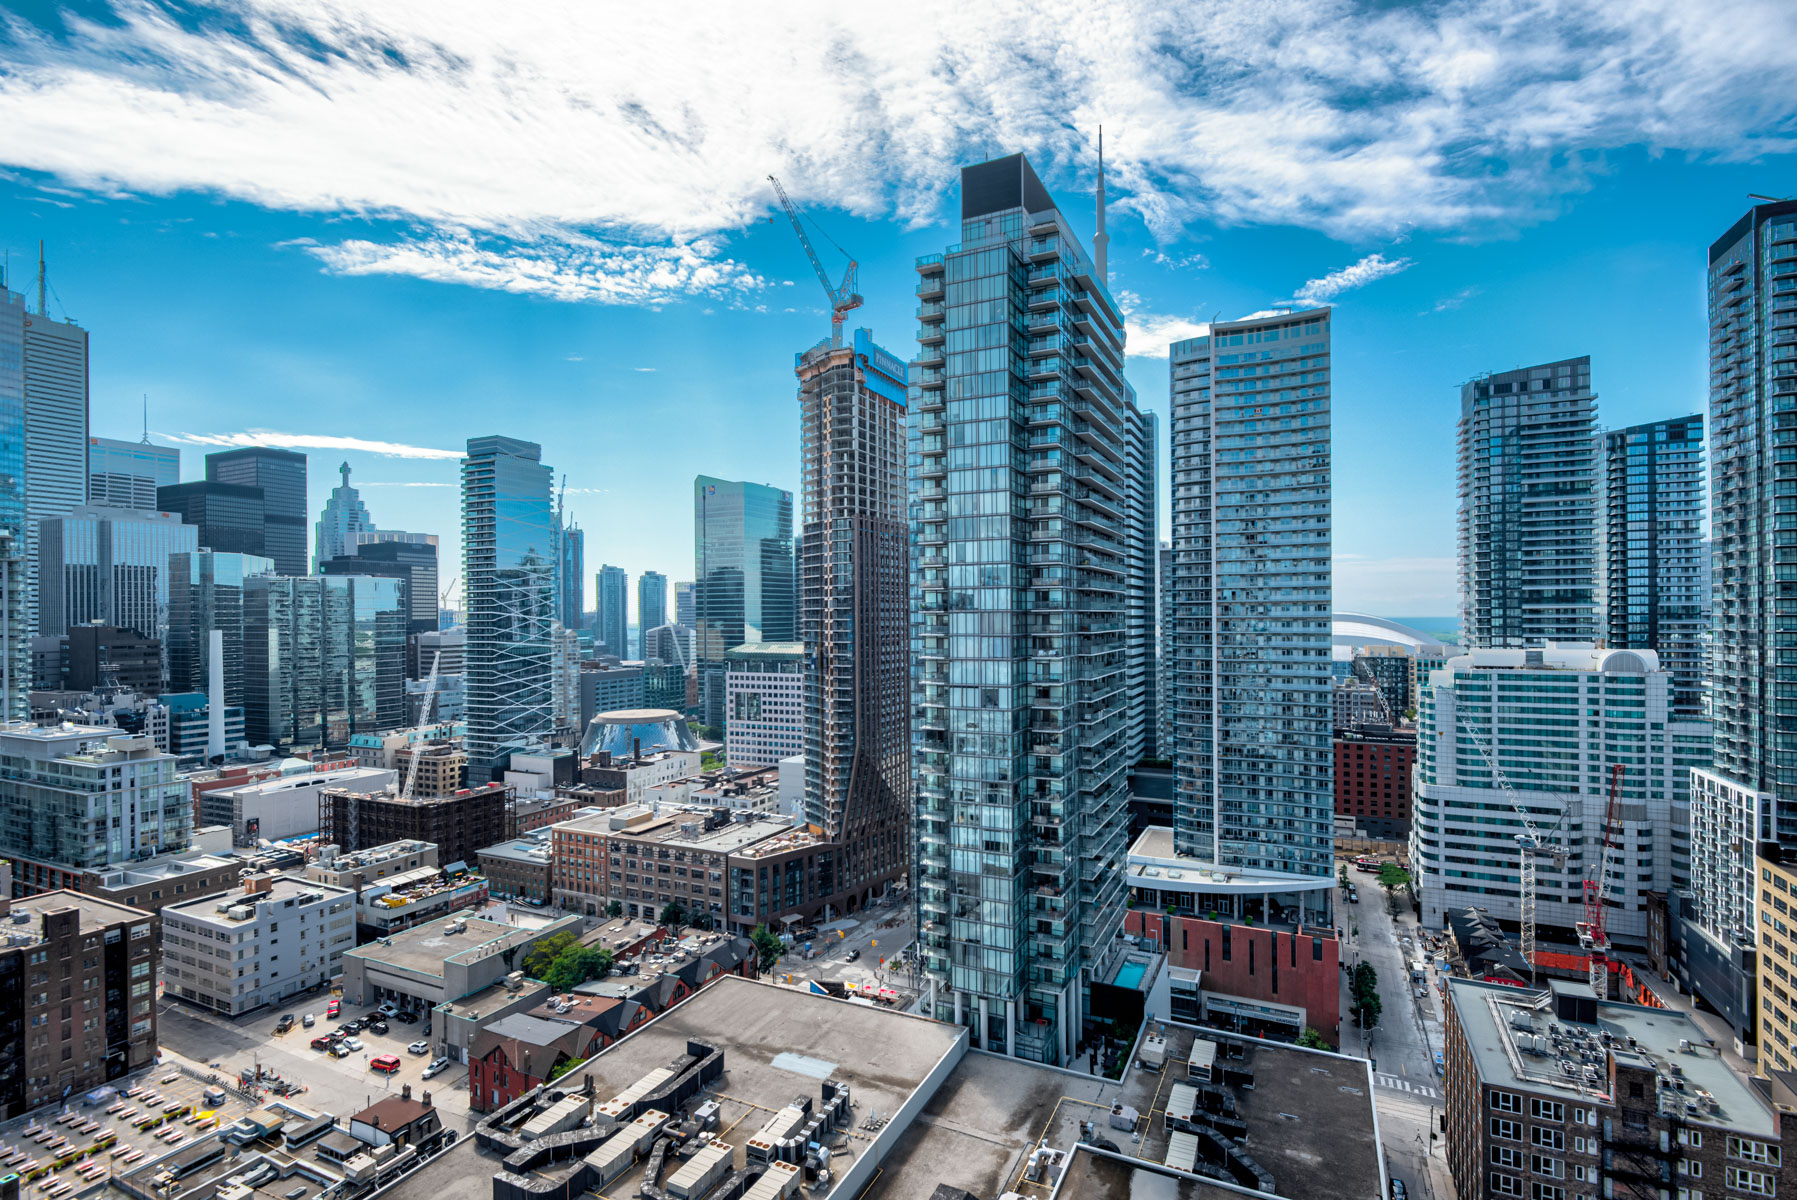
<point>424,716</point>
<point>1531,844</point>
<point>843,296</point>
<point>1594,937</point>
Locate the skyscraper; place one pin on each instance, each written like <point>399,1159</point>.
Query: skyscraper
<point>1528,506</point>
<point>55,416</point>
<point>127,474</point>
<point>685,612</point>
<point>17,596</point>
<point>510,590</point>
<point>1163,640</point>
<point>1749,795</point>
<point>651,601</point>
<point>1021,432</point>
<point>572,604</point>
<point>229,516</point>
<point>1650,555</point>
<point>281,474</point>
<point>344,516</point>
<point>1249,642</point>
<point>324,658</point>
<point>742,554</point>
<point>854,608</point>
<point>1141,533</point>
<point>206,594</point>
<point>398,555</point>
<point>109,565</point>
<point>613,586</point>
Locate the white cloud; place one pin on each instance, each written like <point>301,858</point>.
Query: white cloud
<point>545,148</point>
<point>1367,270</point>
<point>574,358</point>
<point>309,441</point>
<point>1449,303</point>
<point>1150,334</point>
<point>645,370</point>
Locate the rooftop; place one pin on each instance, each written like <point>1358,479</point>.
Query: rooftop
<point>1154,863</point>
<point>216,908</point>
<point>1521,1039</point>
<point>687,831</point>
<point>375,855</point>
<point>494,997</point>
<point>96,914</point>
<point>394,1112</point>
<point>423,949</point>
<point>532,848</point>
<point>155,870</point>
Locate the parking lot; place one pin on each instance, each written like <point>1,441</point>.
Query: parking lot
<point>250,1048</point>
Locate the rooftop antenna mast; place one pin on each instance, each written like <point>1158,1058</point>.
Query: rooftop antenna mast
<point>43,306</point>
<point>1101,241</point>
<point>843,297</point>
<point>146,437</point>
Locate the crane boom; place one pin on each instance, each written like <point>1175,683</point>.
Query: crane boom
<point>843,296</point>
<point>1593,932</point>
<point>424,716</point>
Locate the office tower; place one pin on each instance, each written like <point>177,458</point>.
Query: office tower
<point>1141,534</point>
<point>411,557</point>
<point>55,415</point>
<point>854,614</point>
<point>17,540</point>
<point>764,695</point>
<point>324,658</point>
<point>1021,638</point>
<point>1528,506</point>
<point>1555,722</point>
<point>1749,794</point>
<point>109,565</point>
<point>685,612</point>
<point>572,606</point>
<point>344,517</point>
<point>127,474</point>
<point>281,474</point>
<point>229,516</point>
<point>1650,549</point>
<point>1250,643</point>
<point>742,554</point>
<point>510,590</point>
<point>609,689</point>
<point>102,657</point>
<point>613,587</point>
<point>672,644</point>
<point>206,594</point>
<point>651,603</point>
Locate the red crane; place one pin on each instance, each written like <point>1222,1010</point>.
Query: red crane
<point>1592,935</point>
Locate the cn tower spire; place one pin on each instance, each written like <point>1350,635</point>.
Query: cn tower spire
<point>1101,241</point>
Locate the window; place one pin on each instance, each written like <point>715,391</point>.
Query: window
<point>1754,1183</point>
<point>1691,1166</point>
<point>1508,1130</point>
<point>1552,1168</point>
<point>1546,1191</point>
<point>1505,1185</point>
<point>1506,1156</point>
<point>1550,1139</point>
<point>1506,1102</point>
<point>1547,1110</point>
<point>1752,1151</point>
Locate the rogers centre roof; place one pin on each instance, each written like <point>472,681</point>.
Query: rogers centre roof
<point>1359,629</point>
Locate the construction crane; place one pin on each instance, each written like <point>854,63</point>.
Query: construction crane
<point>424,716</point>
<point>1594,937</point>
<point>1531,844</point>
<point>843,296</point>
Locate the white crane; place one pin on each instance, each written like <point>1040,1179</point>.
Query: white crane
<point>424,716</point>
<point>1530,843</point>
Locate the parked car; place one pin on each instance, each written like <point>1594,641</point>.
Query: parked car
<point>377,1027</point>
<point>336,1035</point>
<point>285,1023</point>
<point>352,1042</point>
<point>323,1043</point>
<point>419,1048</point>
<point>853,955</point>
<point>1397,1189</point>
<point>341,1051</point>
<point>387,1009</point>
<point>334,1008</point>
<point>405,1018</point>
<point>437,1067</point>
<point>309,1020</point>
<point>387,1063</point>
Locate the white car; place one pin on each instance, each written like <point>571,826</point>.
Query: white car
<point>352,1042</point>
<point>388,1010</point>
<point>309,1020</point>
<point>437,1067</point>
<point>419,1048</point>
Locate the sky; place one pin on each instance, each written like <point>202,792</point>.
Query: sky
<point>371,232</point>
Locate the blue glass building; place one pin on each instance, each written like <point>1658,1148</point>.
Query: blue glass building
<point>742,552</point>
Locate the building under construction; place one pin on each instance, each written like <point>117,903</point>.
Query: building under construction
<point>460,824</point>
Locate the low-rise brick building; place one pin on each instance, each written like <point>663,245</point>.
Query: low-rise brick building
<point>1373,766</point>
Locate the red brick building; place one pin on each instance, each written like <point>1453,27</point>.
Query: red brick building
<point>1372,779</point>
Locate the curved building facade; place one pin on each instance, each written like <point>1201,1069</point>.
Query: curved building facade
<point>626,730</point>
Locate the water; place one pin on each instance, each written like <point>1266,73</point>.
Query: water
<point>1130,974</point>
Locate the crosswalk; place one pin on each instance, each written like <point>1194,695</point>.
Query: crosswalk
<point>1399,1084</point>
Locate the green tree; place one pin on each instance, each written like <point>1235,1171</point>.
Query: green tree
<point>1392,877</point>
<point>575,965</point>
<point>614,910</point>
<point>768,945</point>
<point>1310,1039</point>
<point>1364,993</point>
<point>544,952</point>
<point>672,915</point>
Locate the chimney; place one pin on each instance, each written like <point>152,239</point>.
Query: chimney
<point>405,1093</point>
<point>427,1099</point>
<point>636,749</point>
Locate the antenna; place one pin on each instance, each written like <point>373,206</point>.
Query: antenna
<point>146,438</point>
<point>1101,241</point>
<point>43,308</point>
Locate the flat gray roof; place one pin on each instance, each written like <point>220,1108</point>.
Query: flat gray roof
<point>424,949</point>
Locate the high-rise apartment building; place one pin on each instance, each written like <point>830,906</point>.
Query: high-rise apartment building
<point>281,474</point>
<point>685,613</point>
<point>854,611</point>
<point>1528,518</point>
<point>1163,640</point>
<point>17,539</point>
<point>109,565</point>
<point>344,517</point>
<point>206,594</point>
<point>78,798</point>
<point>1249,647</point>
<point>324,657</point>
<point>1650,557</point>
<point>742,553</point>
<point>1019,449</point>
<point>1141,529</point>
<point>127,474</point>
<point>651,602</point>
<point>229,516</point>
<point>613,586</point>
<point>572,604</point>
<point>509,589</point>
<point>1749,794</point>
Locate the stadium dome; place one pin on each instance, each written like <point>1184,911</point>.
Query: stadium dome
<point>624,729</point>
<point>1353,630</point>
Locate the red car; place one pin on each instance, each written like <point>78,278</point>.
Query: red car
<point>322,1042</point>
<point>334,1008</point>
<point>385,1062</point>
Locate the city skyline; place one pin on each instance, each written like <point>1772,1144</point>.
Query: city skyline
<point>361,316</point>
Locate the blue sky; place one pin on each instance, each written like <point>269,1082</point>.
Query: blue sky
<point>419,222</point>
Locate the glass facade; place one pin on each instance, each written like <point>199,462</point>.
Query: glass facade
<point>613,587</point>
<point>17,601</point>
<point>324,658</point>
<point>651,601</point>
<point>344,517</point>
<point>510,589</point>
<point>1651,560</point>
<point>127,474</point>
<point>281,474</point>
<point>1020,445</point>
<point>206,594</point>
<point>1249,639</point>
<point>571,607</point>
<point>109,565</point>
<point>229,516</point>
<point>1528,516</point>
<point>55,417</point>
<point>408,556</point>
<point>854,609</point>
<point>743,555</point>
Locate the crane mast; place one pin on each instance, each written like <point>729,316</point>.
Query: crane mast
<point>843,296</point>
<point>1594,937</point>
<point>424,716</point>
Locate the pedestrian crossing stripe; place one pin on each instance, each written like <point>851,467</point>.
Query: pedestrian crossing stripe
<point>1404,1085</point>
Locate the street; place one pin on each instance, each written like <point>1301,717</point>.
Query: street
<point>1404,1043</point>
<point>879,931</point>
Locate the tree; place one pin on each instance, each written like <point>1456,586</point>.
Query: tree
<point>1364,992</point>
<point>672,915</point>
<point>1310,1039</point>
<point>575,965</point>
<point>536,963</point>
<point>614,910</point>
<point>1392,877</point>
<point>768,945</point>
